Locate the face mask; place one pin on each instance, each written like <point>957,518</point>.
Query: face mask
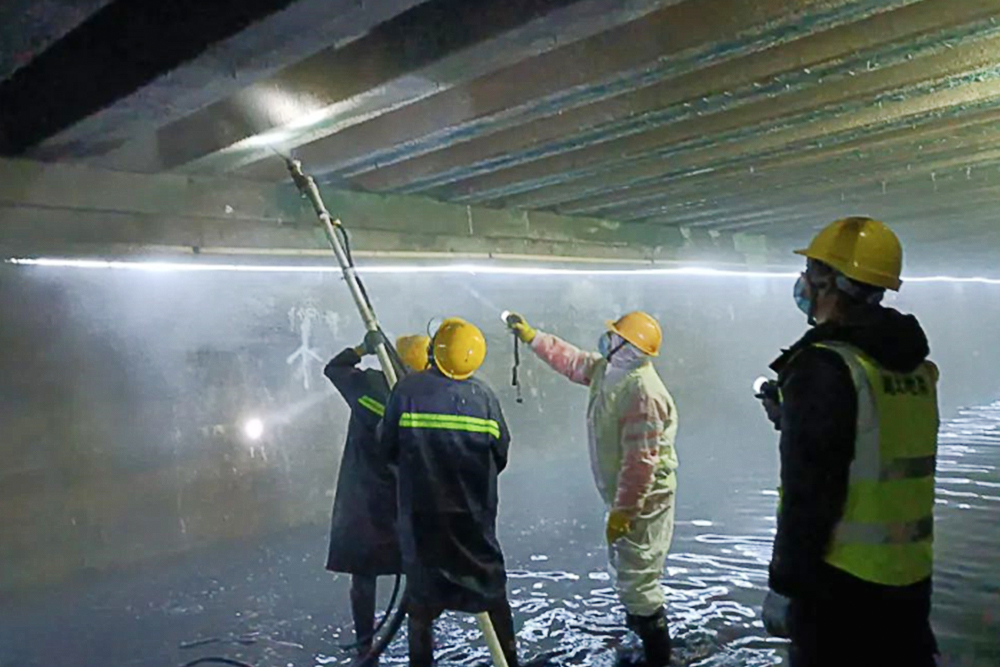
<point>627,358</point>
<point>604,345</point>
<point>610,345</point>
<point>801,294</point>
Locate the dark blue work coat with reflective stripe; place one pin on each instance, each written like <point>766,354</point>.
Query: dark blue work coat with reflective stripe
<point>450,442</point>
<point>363,536</point>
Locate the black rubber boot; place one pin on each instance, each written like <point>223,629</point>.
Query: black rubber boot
<point>655,635</point>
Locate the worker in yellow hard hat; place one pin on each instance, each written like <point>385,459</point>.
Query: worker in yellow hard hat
<point>363,539</point>
<point>413,352</point>
<point>631,426</point>
<point>850,575</point>
<point>446,433</point>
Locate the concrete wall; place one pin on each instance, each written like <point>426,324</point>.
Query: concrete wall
<point>75,209</point>
<point>124,393</point>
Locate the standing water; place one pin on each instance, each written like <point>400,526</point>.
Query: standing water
<point>142,528</point>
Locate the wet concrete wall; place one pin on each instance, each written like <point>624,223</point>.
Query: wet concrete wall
<point>125,394</point>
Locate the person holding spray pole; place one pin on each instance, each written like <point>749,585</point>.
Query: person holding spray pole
<point>363,538</point>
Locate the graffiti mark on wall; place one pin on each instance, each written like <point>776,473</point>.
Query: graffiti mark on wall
<point>305,354</point>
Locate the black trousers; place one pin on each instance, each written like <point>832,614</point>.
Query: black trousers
<point>421,632</point>
<point>859,633</point>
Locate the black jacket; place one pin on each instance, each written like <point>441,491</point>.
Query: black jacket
<point>448,490</point>
<point>363,536</point>
<point>818,423</point>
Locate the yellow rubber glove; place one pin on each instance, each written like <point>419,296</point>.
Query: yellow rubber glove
<point>520,326</point>
<point>619,525</point>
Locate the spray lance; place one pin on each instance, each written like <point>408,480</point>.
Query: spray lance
<point>340,243</point>
<point>337,237</point>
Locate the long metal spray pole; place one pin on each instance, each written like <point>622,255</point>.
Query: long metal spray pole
<point>307,186</point>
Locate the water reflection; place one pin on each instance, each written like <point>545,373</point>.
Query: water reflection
<point>716,579</point>
<point>273,605</point>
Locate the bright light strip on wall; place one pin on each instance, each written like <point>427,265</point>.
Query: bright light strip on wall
<point>469,269</point>
<point>153,266</point>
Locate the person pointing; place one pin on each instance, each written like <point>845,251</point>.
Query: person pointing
<point>631,427</point>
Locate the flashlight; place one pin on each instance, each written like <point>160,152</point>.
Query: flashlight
<point>764,388</point>
<point>510,318</point>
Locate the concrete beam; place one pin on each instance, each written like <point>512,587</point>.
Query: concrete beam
<point>270,43</point>
<point>737,184</point>
<point>692,72</point>
<point>946,78</point>
<point>78,209</point>
<point>662,45</point>
<point>422,52</point>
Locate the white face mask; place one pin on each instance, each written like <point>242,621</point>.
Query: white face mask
<point>621,355</point>
<point>628,357</point>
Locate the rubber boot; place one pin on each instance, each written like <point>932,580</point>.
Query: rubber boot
<point>420,631</point>
<point>655,635</point>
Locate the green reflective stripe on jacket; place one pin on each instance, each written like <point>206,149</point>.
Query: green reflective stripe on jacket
<point>372,405</point>
<point>886,533</point>
<point>450,423</point>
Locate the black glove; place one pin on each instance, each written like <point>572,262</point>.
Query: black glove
<point>372,340</point>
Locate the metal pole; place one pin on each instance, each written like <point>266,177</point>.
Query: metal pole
<point>492,641</point>
<point>307,186</point>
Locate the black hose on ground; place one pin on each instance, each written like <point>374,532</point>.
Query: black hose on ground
<point>382,643</point>
<point>217,661</point>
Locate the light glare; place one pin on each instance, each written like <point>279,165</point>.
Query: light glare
<point>254,429</point>
<point>469,269</point>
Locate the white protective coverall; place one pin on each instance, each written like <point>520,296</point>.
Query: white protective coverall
<point>631,426</point>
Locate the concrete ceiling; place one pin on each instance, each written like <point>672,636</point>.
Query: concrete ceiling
<point>768,117</point>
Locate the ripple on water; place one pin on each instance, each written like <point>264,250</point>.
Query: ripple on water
<point>716,578</point>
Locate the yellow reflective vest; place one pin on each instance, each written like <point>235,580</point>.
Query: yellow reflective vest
<point>886,533</point>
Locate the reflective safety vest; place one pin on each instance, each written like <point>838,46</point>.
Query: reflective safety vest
<point>886,533</point>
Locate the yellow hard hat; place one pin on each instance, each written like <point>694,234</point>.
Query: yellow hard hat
<point>862,249</point>
<point>413,351</point>
<point>641,329</point>
<point>458,348</point>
